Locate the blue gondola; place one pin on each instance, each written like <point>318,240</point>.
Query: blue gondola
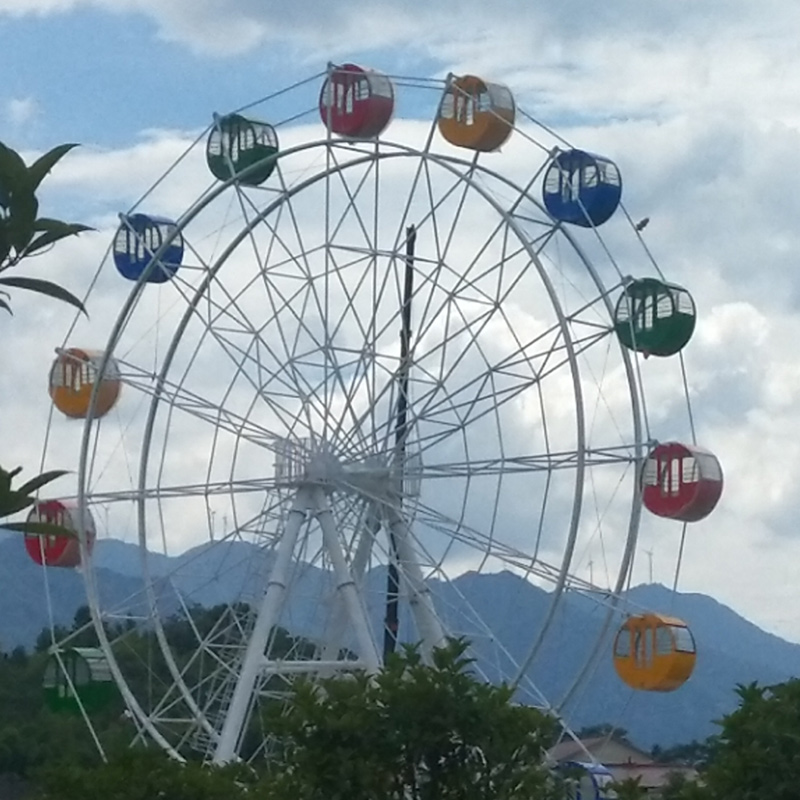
<point>138,238</point>
<point>581,188</point>
<point>588,781</point>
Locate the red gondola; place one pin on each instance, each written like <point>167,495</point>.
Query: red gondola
<point>681,481</point>
<point>55,550</point>
<point>356,102</point>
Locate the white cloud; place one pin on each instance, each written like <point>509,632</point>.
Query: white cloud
<point>21,110</point>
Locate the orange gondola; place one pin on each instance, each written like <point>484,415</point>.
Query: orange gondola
<point>654,653</point>
<point>476,114</point>
<point>72,379</point>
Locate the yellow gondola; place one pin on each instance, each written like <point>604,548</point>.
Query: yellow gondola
<point>476,114</point>
<point>72,379</point>
<point>654,652</point>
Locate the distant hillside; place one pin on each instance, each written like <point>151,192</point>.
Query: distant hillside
<point>731,649</point>
<point>28,604</point>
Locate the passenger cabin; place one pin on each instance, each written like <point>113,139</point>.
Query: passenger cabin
<point>586,780</point>
<point>654,318</point>
<point>654,653</point>
<point>139,239</point>
<point>72,380</point>
<point>243,148</point>
<point>58,550</point>
<point>581,188</point>
<point>78,680</point>
<point>356,103</point>
<point>681,481</point>
<point>476,114</point>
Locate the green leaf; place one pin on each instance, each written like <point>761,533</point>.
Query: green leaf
<point>13,173</point>
<point>47,288</point>
<point>14,502</point>
<point>8,475</point>
<point>39,169</point>
<point>40,529</point>
<point>47,223</point>
<point>23,208</point>
<point>41,480</point>
<point>54,230</point>
<point>5,244</point>
<point>6,306</point>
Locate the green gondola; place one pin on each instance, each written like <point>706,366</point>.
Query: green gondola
<point>654,318</point>
<point>78,677</point>
<point>236,144</point>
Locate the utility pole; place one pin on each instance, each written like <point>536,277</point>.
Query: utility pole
<point>400,433</point>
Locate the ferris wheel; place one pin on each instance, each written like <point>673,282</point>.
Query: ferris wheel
<point>380,378</point>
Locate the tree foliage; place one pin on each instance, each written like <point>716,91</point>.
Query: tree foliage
<point>414,732</point>
<point>757,753</point>
<point>629,789</point>
<point>144,774</point>
<point>23,233</point>
<point>691,754</point>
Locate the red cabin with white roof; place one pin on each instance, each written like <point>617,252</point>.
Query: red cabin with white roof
<point>54,550</point>
<point>681,481</point>
<point>355,102</point>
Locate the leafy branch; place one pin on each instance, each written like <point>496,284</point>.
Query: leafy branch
<point>23,232</point>
<point>12,501</point>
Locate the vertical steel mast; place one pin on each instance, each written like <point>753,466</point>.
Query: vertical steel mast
<point>400,431</point>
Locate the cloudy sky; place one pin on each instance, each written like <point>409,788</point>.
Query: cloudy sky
<point>698,103</point>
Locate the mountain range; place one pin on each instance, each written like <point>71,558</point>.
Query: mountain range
<point>731,649</point>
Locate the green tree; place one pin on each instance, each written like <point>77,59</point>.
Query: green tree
<point>693,754</point>
<point>629,789</point>
<point>757,753</point>
<point>679,787</point>
<point>413,732</point>
<point>603,729</point>
<point>143,774</point>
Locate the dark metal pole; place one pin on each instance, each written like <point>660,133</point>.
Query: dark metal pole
<point>400,430</point>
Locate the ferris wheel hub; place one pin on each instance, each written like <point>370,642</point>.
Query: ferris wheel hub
<point>299,463</point>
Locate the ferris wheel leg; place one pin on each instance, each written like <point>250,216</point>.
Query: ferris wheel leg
<point>428,625</point>
<point>267,616</point>
<point>345,584</point>
<point>334,640</point>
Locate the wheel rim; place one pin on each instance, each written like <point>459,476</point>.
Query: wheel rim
<point>345,461</point>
